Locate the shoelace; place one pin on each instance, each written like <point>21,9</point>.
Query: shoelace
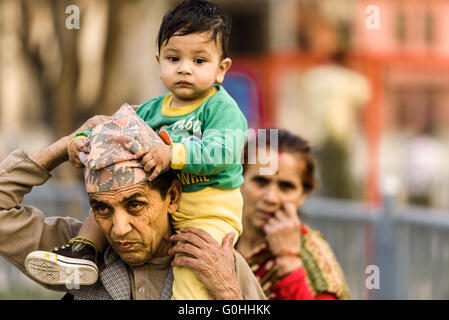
<point>63,247</point>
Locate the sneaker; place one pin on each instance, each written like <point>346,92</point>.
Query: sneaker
<point>72,264</point>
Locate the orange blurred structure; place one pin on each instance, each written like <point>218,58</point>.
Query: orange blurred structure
<point>407,52</point>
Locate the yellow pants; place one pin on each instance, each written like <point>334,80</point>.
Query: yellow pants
<point>215,211</point>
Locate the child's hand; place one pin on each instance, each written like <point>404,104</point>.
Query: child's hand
<point>78,144</point>
<point>76,147</point>
<point>157,157</point>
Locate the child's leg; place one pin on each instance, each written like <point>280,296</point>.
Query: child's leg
<point>90,230</point>
<point>217,212</point>
<point>186,285</point>
<point>75,261</point>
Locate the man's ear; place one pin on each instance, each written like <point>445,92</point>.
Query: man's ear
<point>174,196</point>
<point>222,69</point>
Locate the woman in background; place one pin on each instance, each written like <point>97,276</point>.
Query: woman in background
<point>291,260</point>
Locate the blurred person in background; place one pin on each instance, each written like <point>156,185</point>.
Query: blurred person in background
<point>424,159</point>
<point>291,260</point>
<point>327,105</point>
<point>333,98</point>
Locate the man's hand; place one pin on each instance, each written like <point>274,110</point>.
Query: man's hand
<point>284,238</point>
<point>156,158</point>
<point>213,264</point>
<point>55,154</point>
<point>91,123</point>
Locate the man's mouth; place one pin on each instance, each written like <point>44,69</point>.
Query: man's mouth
<point>125,245</point>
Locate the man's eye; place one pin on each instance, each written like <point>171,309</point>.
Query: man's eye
<point>199,61</point>
<point>135,206</point>
<point>173,59</point>
<point>101,209</point>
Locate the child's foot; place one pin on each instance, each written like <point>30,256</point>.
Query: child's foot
<point>72,264</point>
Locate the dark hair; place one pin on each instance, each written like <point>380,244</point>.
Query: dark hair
<point>191,16</point>
<point>162,183</point>
<point>288,142</point>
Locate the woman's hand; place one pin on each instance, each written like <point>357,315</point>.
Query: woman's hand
<point>212,263</point>
<point>284,238</point>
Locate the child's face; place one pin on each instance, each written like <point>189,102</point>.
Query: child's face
<point>189,66</point>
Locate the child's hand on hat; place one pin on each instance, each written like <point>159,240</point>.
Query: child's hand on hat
<point>156,158</point>
<point>78,144</point>
<point>75,147</point>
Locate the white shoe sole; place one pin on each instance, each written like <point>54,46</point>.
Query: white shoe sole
<point>50,268</point>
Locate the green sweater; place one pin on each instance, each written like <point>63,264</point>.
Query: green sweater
<point>207,137</point>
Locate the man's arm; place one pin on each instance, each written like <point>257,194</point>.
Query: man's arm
<point>251,289</point>
<point>22,228</point>
<point>52,156</point>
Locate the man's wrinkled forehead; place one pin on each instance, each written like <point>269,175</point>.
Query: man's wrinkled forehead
<point>134,192</point>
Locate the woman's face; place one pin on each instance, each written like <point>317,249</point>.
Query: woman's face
<point>264,194</point>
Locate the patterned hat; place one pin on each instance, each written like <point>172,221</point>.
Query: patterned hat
<point>111,163</point>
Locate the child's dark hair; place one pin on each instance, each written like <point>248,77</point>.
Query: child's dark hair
<point>191,16</point>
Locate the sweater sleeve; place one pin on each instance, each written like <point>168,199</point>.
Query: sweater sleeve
<point>221,143</point>
<point>294,287</point>
<point>23,228</point>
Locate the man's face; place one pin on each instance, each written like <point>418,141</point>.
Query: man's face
<point>135,221</point>
<point>189,66</point>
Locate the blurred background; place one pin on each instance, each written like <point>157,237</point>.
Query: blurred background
<point>365,82</point>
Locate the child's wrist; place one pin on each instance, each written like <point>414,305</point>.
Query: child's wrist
<point>71,141</point>
<point>178,158</point>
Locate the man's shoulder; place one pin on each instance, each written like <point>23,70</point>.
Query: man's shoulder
<point>249,285</point>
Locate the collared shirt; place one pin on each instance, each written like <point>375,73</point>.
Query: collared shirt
<point>147,280</point>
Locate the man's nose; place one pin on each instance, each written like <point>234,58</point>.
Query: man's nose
<point>122,224</point>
